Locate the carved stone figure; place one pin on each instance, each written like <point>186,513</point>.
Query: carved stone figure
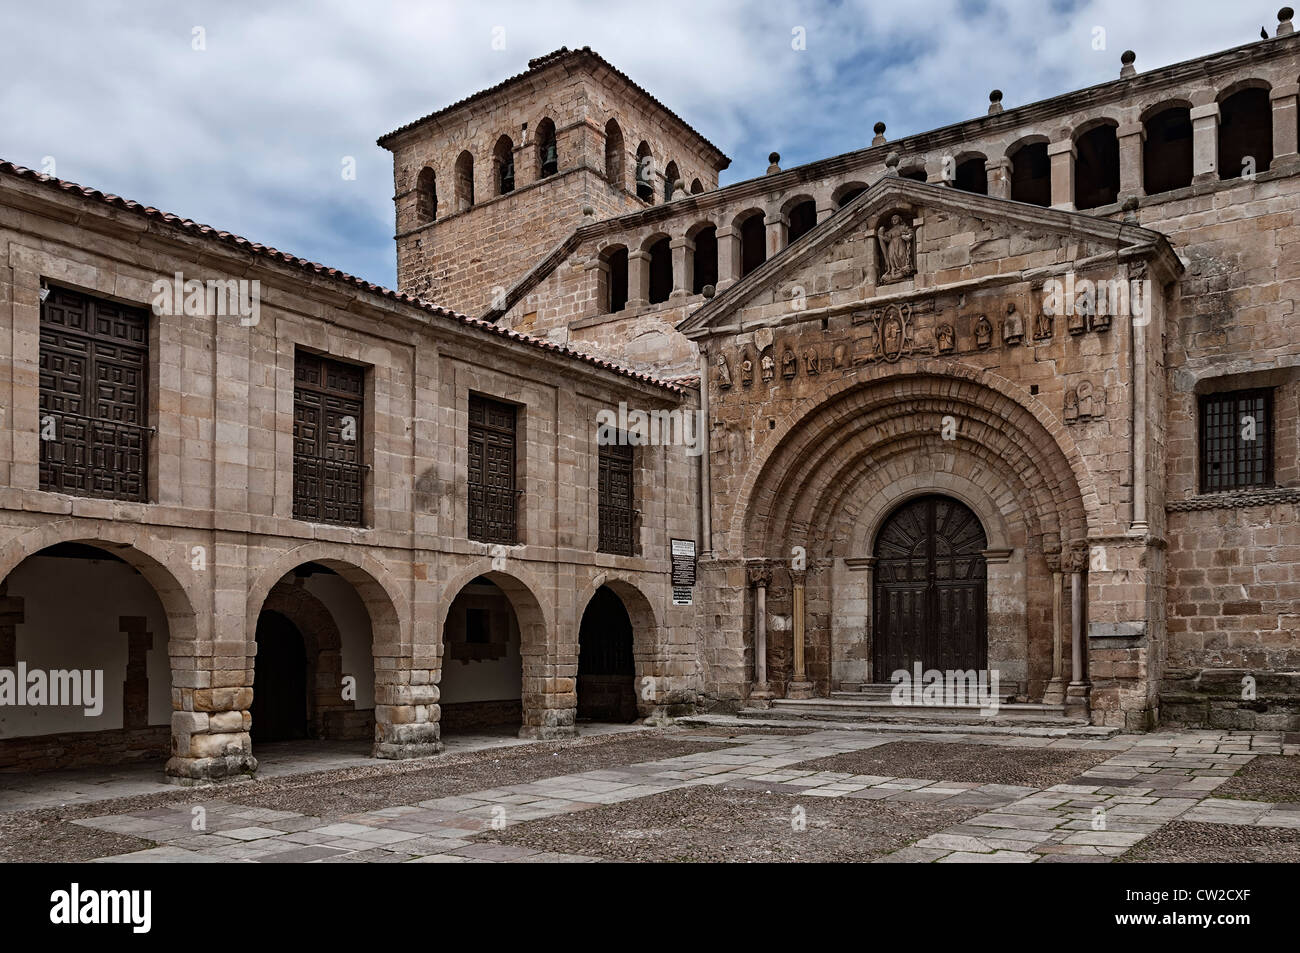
<point>1081,403</point>
<point>810,362</point>
<point>897,249</point>
<point>983,333</point>
<point>724,372</point>
<point>789,364</point>
<point>945,338</point>
<point>1078,322</point>
<point>746,369</point>
<point>1013,328</point>
<point>769,366</point>
<point>840,356</point>
<point>1100,320</point>
<point>1086,403</point>
<point>1042,326</point>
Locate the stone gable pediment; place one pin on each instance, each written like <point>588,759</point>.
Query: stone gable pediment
<point>903,240</point>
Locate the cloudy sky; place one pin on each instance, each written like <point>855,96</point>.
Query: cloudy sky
<point>249,133</point>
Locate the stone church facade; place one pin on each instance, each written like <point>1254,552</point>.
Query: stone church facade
<point>1019,395</point>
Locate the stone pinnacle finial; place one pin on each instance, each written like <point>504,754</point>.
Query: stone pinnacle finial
<point>879,129</point>
<point>1284,21</point>
<point>774,163</point>
<point>1126,60</point>
<point>995,102</point>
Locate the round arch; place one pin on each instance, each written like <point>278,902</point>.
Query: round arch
<point>1253,82</point>
<point>845,188</point>
<point>996,399</point>
<point>646,636</point>
<point>374,583</point>
<point>1088,125</point>
<point>548,709</point>
<point>153,558</point>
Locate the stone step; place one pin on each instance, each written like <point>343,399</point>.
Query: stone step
<point>779,718</point>
<point>878,711</point>
<point>870,692</point>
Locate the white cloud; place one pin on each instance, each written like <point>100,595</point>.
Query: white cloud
<point>249,134</point>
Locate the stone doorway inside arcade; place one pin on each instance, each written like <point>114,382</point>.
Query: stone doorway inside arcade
<point>313,673</point>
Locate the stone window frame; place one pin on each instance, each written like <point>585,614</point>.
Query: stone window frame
<point>1204,403</point>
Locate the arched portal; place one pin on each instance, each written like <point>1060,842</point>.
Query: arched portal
<point>930,582</point>
<point>606,667</point>
<point>841,463</point>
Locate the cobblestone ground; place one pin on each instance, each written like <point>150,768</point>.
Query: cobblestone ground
<point>715,795</point>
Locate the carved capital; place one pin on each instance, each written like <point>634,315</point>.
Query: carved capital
<point>760,574</point>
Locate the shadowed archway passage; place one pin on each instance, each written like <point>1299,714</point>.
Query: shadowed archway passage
<point>606,668</point>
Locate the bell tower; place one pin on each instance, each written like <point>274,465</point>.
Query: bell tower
<point>486,187</point>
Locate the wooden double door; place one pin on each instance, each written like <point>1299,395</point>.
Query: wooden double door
<point>930,589</point>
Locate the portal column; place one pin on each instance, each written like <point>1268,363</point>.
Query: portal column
<point>1076,700</point>
<point>1055,691</point>
<point>760,577</point>
<point>799,687</point>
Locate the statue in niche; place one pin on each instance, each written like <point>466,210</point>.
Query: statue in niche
<point>1042,327</point>
<point>789,364</point>
<point>1081,403</point>
<point>945,339</point>
<point>769,366</point>
<point>724,372</point>
<point>746,369</point>
<point>1013,328</point>
<point>840,356</point>
<point>1100,319</point>
<point>1087,410</point>
<point>897,249</point>
<point>810,362</point>
<point>983,333</point>
<point>1078,321</point>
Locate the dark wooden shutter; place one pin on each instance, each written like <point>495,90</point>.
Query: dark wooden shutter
<point>328,473</point>
<point>1228,460</point>
<point>616,499</point>
<point>492,494</point>
<point>94,384</point>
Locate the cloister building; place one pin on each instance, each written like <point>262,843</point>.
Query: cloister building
<point>1017,395</point>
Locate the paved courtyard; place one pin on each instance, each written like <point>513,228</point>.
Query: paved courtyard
<point>702,794</point>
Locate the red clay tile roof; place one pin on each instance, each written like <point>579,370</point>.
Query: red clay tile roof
<point>540,63</point>
<point>207,231</point>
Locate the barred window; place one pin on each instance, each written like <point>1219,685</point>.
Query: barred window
<point>328,415</point>
<point>1236,440</point>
